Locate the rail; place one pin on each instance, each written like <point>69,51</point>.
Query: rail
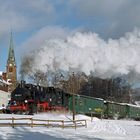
<point>31,122</point>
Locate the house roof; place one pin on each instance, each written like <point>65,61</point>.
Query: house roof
<point>4,82</point>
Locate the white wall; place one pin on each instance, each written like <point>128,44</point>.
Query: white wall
<point>4,98</point>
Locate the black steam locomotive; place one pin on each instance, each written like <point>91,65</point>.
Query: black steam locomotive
<point>30,99</point>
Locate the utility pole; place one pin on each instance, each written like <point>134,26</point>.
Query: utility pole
<point>73,96</point>
<point>73,106</point>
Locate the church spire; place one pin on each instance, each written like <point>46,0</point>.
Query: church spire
<point>11,56</point>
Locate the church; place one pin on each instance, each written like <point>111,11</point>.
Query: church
<point>8,79</point>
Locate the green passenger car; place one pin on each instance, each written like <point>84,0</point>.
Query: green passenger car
<point>87,105</point>
<point>115,110</point>
<point>133,112</point>
<point>99,107</point>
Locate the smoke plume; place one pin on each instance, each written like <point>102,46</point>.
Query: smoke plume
<point>88,53</point>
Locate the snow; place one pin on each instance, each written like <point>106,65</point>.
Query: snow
<point>1,72</point>
<point>137,103</point>
<point>4,82</point>
<point>97,129</point>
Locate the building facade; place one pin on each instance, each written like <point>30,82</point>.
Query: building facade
<point>3,82</point>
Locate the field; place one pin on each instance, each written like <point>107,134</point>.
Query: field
<point>97,129</point>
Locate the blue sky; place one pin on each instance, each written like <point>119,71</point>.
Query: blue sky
<point>33,21</point>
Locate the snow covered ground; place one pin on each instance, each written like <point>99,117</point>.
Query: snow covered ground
<point>96,130</point>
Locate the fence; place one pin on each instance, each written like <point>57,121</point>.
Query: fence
<point>31,122</point>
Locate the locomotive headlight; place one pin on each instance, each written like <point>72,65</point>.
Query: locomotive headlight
<point>26,101</point>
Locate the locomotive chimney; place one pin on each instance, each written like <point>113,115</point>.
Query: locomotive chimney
<point>22,83</point>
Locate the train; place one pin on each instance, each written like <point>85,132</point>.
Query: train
<point>30,99</point>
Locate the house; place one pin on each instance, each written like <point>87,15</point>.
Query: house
<point>3,83</point>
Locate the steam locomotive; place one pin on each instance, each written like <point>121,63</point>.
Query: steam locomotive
<point>30,99</point>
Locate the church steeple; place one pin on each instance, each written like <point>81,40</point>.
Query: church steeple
<point>11,66</point>
<point>11,56</point>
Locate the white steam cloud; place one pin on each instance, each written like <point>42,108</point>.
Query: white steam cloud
<point>87,52</point>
